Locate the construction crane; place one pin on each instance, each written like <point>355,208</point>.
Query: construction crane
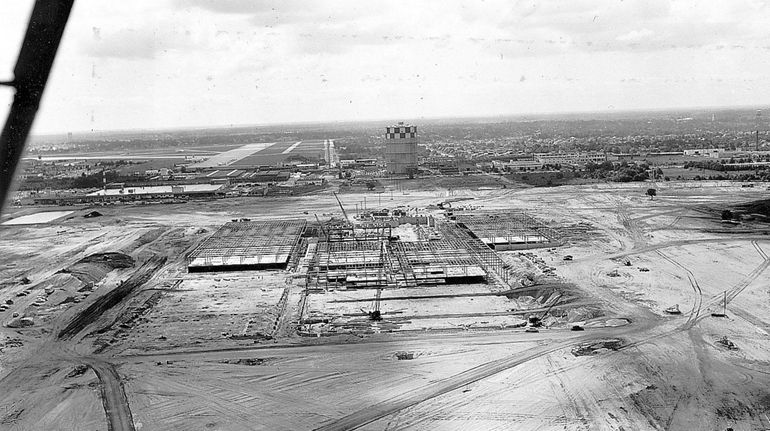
<point>321,225</point>
<point>536,321</point>
<point>344,213</point>
<point>376,314</point>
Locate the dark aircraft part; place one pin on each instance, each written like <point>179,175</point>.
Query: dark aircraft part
<point>38,50</point>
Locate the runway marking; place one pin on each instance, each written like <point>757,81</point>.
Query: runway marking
<point>288,150</point>
<point>229,157</point>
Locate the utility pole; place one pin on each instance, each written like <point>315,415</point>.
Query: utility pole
<point>758,120</point>
<point>104,186</point>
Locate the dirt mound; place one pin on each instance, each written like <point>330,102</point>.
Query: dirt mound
<point>755,207</point>
<point>95,267</point>
<point>597,347</point>
<point>115,260</point>
<point>402,355</point>
<point>249,361</point>
<point>113,297</point>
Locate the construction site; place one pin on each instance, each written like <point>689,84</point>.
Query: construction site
<point>563,308</point>
<point>349,263</point>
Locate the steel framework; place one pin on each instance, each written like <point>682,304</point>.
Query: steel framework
<point>508,228</point>
<point>374,260</point>
<point>238,243</point>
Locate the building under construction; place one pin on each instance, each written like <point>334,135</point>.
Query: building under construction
<point>243,244</point>
<point>338,254</point>
<point>510,230</point>
<point>401,149</point>
<point>370,257</point>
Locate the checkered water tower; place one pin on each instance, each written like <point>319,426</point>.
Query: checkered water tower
<point>401,149</point>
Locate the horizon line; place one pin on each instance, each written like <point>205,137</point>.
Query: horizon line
<point>383,119</point>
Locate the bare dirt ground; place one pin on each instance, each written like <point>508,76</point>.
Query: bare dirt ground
<point>89,343</point>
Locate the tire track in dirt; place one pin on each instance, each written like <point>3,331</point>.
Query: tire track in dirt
<point>738,288</point>
<point>358,419</point>
<point>410,398</point>
<point>363,417</point>
<point>696,308</point>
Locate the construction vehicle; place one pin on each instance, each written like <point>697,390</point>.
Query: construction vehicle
<point>727,343</point>
<point>724,308</point>
<point>674,309</point>
<point>375,314</point>
<point>537,321</point>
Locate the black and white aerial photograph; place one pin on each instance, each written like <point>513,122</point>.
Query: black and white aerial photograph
<point>385,215</point>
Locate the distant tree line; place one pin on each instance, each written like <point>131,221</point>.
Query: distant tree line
<point>720,165</point>
<point>618,172</point>
<point>84,181</point>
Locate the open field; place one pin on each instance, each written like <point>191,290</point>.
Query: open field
<point>281,151</point>
<point>263,154</point>
<point>229,157</point>
<point>105,320</point>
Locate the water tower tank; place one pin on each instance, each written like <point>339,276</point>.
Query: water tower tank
<point>401,149</point>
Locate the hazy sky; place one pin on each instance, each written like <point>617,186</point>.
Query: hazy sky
<point>168,63</point>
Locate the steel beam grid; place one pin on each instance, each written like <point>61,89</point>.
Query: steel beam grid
<point>506,225</point>
<point>486,258</point>
<point>247,240</point>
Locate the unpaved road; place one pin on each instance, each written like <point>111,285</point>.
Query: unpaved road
<point>113,395</point>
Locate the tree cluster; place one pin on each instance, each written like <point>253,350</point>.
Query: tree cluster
<point>621,172</point>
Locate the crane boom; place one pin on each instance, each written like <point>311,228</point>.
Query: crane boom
<point>344,213</point>
<point>320,224</point>
<point>376,314</point>
<point>550,307</point>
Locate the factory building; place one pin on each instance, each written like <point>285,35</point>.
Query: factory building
<point>401,149</point>
<point>570,159</point>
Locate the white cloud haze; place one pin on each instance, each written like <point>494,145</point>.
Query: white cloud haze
<point>171,63</point>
